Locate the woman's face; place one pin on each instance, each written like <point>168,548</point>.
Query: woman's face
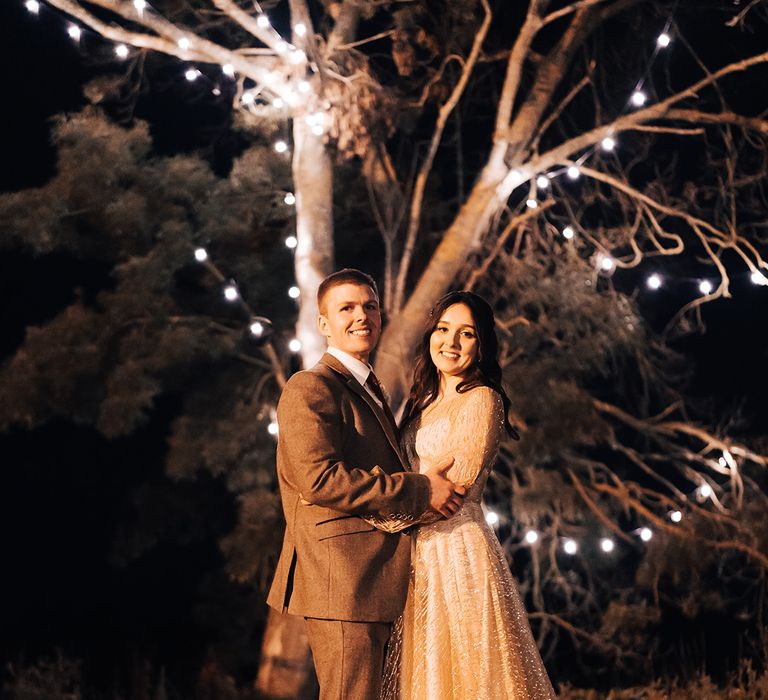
<point>453,345</point>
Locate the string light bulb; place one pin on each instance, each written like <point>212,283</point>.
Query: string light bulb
<point>192,74</point>
<point>289,199</point>
<point>262,21</point>
<point>531,537</point>
<point>216,91</point>
<point>294,345</point>
<point>33,6</point>
<point>607,263</point>
<point>74,32</point>
<point>121,51</point>
<point>248,98</point>
<point>230,292</point>
<point>638,98</point>
<point>201,254</point>
<point>300,29</point>
<point>140,5</point>
<point>294,292</point>
<point>570,546</point>
<point>281,146</point>
<point>646,534</point>
<point>608,143</point>
<point>228,69</point>
<point>272,428</point>
<point>607,545</point>
<point>291,242</point>
<point>758,277</point>
<point>257,328</point>
<point>705,287</point>
<point>573,172</point>
<point>542,182</point>
<point>663,40</point>
<point>303,86</point>
<point>675,516</point>
<point>568,232</point>
<point>184,43</point>
<point>278,103</point>
<point>654,281</point>
<point>492,518</point>
<point>281,47</point>
<point>532,204</point>
<point>298,56</point>
<point>704,491</point>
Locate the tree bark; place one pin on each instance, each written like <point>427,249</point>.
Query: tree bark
<point>313,184</point>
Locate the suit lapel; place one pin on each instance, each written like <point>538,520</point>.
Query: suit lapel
<point>357,388</point>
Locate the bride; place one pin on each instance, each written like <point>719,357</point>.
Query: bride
<point>464,633</point>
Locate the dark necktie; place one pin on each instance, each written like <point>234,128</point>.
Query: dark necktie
<point>373,384</point>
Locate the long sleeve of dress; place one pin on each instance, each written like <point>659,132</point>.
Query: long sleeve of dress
<point>477,424</point>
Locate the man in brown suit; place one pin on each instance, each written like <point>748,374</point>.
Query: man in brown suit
<point>338,458</point>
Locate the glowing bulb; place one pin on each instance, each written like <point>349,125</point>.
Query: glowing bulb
<point>257,328</point>
<point>646,534</point>
<point>278,103</point>
<point>290,199</point>
<point>608,143</point>
<point>303,86</point>
<point>294,292</point>
<point>228,69</point>
<point>663,40</point>
<point>705,286</point>
<point>140,5</point>
<point>318,130</point>
<point>532,204</point>
<point>300,29</point>
<point>291,242</point>
<point>723,462</point>
<point>262,21</point>
<point>33,6</point>
<point>568,232</point>
<point>248,98</point>
<point>607,263</point>
<point>192,74</point>
<point>74,32</point>
<point>201,254</point>
<point>570,546</point>
<point>654,281</point>
<point>573,172</point>
<point>531,537</point>
<point>121,51</point>
<point>759,278</point>
<point>281,46</point>
<point>298,56</point>
<point>638,98</point>
<point>230,292</point>
<point>216,91</point>
<point>704,491</point>
<point>607,544</point>
<point>294,345</point>
<point>675,516</point>
<point>281,146</point>
<point>491,518</point>
<point>542,182</point>
<point>272,428</point>
<point>184,43</point>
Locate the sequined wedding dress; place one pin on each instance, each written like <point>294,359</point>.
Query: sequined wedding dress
<point>464,633</point>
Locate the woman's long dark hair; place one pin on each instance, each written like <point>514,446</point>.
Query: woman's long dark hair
<point>486,371</point>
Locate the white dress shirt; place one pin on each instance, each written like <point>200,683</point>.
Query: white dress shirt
<point>359,370</point>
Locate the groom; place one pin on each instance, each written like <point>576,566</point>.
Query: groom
<point>338,458</point>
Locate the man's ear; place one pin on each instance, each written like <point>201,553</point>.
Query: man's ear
<point>322,325</point>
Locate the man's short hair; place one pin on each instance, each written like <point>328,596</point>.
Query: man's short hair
<point>349,275</point>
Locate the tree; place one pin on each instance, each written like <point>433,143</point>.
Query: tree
<point>545,90</point>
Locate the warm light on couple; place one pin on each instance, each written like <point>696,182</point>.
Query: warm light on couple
<point>387,555</point>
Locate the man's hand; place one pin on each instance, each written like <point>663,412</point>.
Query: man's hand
<point>445,497</point>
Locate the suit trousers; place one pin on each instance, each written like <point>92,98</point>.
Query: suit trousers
<point>349,657</point>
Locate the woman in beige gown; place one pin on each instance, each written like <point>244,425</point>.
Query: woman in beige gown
<point>464,633</point>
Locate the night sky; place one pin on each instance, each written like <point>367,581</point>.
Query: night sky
<point>64,490</point>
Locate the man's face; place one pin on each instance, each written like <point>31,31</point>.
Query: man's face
<point>352,319</point>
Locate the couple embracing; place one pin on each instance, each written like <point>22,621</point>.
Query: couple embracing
<point>387,555</point>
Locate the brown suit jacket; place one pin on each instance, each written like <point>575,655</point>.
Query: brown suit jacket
<point>337,451</point>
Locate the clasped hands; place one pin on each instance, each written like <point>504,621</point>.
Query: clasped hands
<point>445,497</point>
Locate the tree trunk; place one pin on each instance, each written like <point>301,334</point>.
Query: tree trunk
<point>402,334</point>
<point>285,670</point>
<point>313,184</point>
